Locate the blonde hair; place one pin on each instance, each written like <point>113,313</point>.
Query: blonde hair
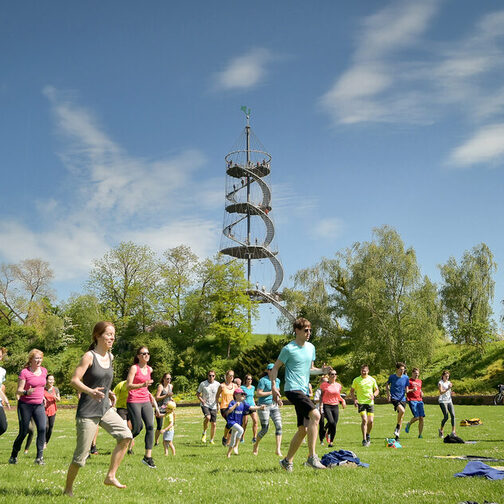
<point>32,354</point>
<point>171,405</point>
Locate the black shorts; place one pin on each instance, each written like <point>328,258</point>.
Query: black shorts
<point>123,413</point>
<point>223,412</point>
<point>212,412</point>
<point>303,405</point>
<point>396,403</point>
<point>366,408</point>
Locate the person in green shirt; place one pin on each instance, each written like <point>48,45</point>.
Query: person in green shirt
<point>121,393</point>
<point>364,390</point>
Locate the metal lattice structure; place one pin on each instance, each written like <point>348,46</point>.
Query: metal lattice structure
<point>248,230</point>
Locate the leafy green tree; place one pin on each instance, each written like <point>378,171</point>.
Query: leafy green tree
<point>467,294</point>
<point>390,310</point>
<point>178,274</point>
<point>22,286</point>
<point>124,280</point>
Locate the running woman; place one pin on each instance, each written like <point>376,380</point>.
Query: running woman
<point>415,401</point>
<point>271,410</point>
<point>445,401</point>
<point>140,401</point>
<point>331,399</point>
<point>51,396</point>
<point>3,398</point>
<point>31,383</point>
<point>396,393</point>
<point>249,390</point>
<point>224,397</point>
<point>93,378</point>
<point>164,393</point>
<point>364,390</point>
<point>207,396</point>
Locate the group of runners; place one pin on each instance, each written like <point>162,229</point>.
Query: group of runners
<point>126,410</point>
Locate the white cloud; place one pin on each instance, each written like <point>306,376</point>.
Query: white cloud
<point>244,71</point>
<point>328,228</point>
<point>485,146</point>
<point>113,197</point>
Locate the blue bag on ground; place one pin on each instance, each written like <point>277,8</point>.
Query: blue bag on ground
<point>340,457</point>
<point>476,468</point>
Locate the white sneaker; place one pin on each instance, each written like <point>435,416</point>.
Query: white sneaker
<point>315,463</point>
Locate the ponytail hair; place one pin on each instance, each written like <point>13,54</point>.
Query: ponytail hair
<point>98,330</point>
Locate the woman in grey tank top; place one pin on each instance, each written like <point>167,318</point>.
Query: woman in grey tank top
<point>164,393</point>
<point>93,378</point>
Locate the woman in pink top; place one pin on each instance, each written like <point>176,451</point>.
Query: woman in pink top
<point>31,383</point>
<point>140,401</point>
<point>331,398</point>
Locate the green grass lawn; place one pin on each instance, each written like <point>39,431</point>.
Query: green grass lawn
<point>202,473</point>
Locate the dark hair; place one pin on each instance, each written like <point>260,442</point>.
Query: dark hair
<point>400,365</point>
<point>136,360</point>
<point>445,372</point>
<point>98,330</point>
<point>164,377</point>
<point>363,366</point>
<point>415,369</point>
<point>300,323</point>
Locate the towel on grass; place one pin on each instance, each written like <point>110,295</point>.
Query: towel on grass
<point>476,468</point>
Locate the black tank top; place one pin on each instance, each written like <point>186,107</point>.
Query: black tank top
<point>96,376</point>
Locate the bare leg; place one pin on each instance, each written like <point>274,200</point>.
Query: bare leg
<point>420,426</point>
<point>115,461</point>
<point>71,475</point>
<point>312,431</point>
<point>296,442</point>
<point>255,424</point>
<point>278,445</point>
<point>370,422</point>
<point>172,447</point>
<point>213,426</point>
<point>364,426</point>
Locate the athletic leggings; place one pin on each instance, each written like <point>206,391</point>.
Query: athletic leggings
<point>25,413</point>
<point>138,412</point>
<point>236,433</point>
<point>331,413</point>
<point>447,408</point>
<point>3,421</point>
<point>272,411</point>
<point>49,427</point>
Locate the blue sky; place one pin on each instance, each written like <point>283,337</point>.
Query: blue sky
<point>116,117</point>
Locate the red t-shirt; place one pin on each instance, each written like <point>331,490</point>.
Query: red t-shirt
<point>415,395</point>
<point>332,393</point>
<point>50,407</point>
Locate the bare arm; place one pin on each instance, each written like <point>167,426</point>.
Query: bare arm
<point>4,398</point>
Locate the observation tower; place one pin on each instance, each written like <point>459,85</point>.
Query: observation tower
<point>248,230</point>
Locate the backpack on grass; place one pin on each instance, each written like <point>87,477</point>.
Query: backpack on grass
<point>452,438</point>
<point>468,422</point>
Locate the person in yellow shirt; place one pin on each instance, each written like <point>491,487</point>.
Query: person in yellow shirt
<point>168,429</point>
<point>121,393</point>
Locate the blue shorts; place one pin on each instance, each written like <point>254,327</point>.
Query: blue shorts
<point>417,408</point>
<point>168,435</point>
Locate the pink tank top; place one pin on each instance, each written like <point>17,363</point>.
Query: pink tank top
<point>140,395</point>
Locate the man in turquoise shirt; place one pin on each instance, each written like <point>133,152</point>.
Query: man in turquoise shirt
<point>298,357</point>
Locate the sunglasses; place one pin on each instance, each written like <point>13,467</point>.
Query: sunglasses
<point>144,353</point>
<point>211,375</point>
<point>333,374</point>
<point>307,329</point>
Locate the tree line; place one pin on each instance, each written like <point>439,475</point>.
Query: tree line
<point>369,302</point>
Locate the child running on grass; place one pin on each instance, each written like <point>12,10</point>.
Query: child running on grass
<point>234,417</point>
<point>168,429</point>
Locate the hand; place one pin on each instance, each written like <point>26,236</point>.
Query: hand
<point>326,369</point>
<point>356,404</point>
<point>279,403</point>
<point>97,394</point>
<point>276,395</point>
<point>262,407</point>
<point>388,398</point>
<point>30,391</point>
<point>148,383</point>
<point>113,398</point>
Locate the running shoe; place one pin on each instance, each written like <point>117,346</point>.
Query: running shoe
<point>130,452</point>
<point>242,440</point>
<point>314,462</point>
<point>40,461</point>
<point>148,461</point>
<point>321,443</point>
<point>13,460</point>
<point>203,437</point>
<point>212,441</point>
<point>288,466</point>
<point>406,429</point>
<point>330,445</point>
<point>396,432</point>
<point>224,441</point>
<point>364,442</point>
<point>420,436</point>
<point>368,438</point>
<point>94,450</point>
<point>368,444</point>
<point>440,432</point>
<point>254,440</point>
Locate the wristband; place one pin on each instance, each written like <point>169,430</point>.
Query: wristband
<point>25,392</point>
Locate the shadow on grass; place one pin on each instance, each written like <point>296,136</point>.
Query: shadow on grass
<point>30,492</point>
